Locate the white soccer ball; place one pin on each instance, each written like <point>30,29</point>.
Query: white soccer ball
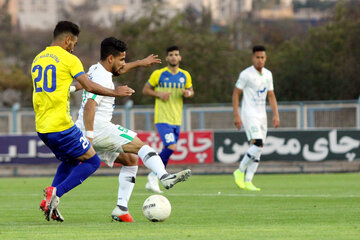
<point>156,208</point>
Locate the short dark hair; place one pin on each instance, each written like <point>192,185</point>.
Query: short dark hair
<point>259,48</point>
<point>66,27</point>
<point>111,46</point>
<point>172,48</point>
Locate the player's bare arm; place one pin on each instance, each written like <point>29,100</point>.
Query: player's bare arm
<point>124,91</point>
<point>149,91</point>
<point>235,102</point>
<point>274,107</point>
<point>146,62</point>
<point>188,93</point>
<point>76,87</point>
<point>90,86</point>
<point>89,116</point>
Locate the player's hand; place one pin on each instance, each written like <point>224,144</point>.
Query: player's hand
<point>150,60</point>
<point>276,121</point>
<point>237,122</point>
<point>164,96</point>
<point>187,93</point>
<point>123,91</point>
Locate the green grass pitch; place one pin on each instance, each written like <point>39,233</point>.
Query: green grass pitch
<point>319,206</point>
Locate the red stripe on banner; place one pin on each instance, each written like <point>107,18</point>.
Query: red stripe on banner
<point>194,147</point>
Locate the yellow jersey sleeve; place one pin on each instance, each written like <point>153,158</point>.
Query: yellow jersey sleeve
<point>154,78</point>
<point>76,68</point>
<point>188,80</point>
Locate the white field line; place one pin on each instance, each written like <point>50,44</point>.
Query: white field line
<point>275,195</point>
<point>252,195</point>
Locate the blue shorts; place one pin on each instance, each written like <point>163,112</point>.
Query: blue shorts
<point>66,145</point>
<point>169,134</point>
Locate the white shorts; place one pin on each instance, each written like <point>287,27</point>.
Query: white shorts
<point>108,141</point>
<point>255,128</point>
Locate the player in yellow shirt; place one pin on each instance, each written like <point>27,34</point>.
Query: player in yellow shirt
<point>53,71</point>
<point>169,86</point>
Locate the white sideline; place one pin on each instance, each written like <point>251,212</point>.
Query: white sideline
<point>251,195</point>
<point>168,193</point>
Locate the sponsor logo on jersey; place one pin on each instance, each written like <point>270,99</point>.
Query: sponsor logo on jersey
<point>261,91</point>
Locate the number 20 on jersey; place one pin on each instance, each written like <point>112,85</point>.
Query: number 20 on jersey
<point>43,75</point>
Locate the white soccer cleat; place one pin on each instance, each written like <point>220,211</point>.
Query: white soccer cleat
<point>52,203</point>
<point>57,216</point>
<point>56,213</point>
<point>170,180</point>
<point>153,184</point>
<point>121,216</point>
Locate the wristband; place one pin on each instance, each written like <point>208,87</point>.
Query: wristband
<point>89,134</point>
<point>72,89</point>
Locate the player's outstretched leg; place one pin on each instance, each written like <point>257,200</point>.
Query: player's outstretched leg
<point>152,161</point>
<point>152,183</point>
<point>169,180</point>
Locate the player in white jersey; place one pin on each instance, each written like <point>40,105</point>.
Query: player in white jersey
<point>255,82</point>
<point>115,143</point>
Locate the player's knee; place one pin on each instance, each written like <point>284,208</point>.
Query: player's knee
<point>94,161</point>
<point>172,147</point>
<point>137,141</point>
<point>134,146</point>
<point>127,159</point>
<point>258,142</point>
<point>132,160</point>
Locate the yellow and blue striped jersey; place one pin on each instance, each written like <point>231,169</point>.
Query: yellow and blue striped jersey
<point>53,71</point>
<point>162,80</point>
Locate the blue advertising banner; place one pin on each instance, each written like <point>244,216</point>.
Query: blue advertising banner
<point>228,147</point>
<point>301,145</point>
<point>25,149</point>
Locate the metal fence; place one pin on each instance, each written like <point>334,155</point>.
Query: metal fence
<point>293,115</point>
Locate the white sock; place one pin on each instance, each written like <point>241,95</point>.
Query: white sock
<point>253,152</point>
<point>251,170</point>
<point>244,163</point>
<point>152,160</point>
<point>127,177</point>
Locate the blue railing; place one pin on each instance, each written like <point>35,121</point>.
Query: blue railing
<point>305,114</point>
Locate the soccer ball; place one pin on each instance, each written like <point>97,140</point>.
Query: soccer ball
<point>156,208</point>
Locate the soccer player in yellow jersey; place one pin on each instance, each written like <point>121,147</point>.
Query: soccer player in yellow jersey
<point>169,86</point>
<point>52,71</point>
